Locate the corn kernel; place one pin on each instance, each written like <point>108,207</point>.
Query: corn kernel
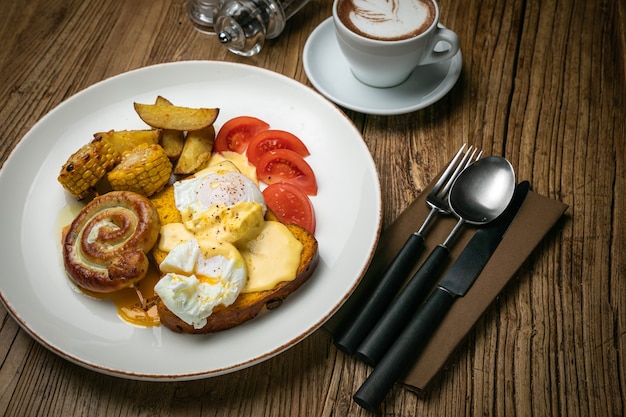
<point>86,167</point>
<point>144,169</point>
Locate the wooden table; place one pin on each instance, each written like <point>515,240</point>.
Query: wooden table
<point>543,84</point>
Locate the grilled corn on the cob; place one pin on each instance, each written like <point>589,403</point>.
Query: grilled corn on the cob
<point>144,169</point>
<point>85,167</point>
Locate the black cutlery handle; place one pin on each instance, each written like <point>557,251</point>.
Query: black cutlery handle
<point>403,307</point>
<point>404,351</point>
<point>349,338</point>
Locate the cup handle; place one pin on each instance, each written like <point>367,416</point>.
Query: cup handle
<point>445,36</point>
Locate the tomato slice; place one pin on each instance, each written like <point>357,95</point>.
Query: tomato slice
<point>235,134</point>
<point>271,139</point>
<point>291,205</point>
<point>283,165</point>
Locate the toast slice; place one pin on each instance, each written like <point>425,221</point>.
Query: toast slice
<point>247,305</point>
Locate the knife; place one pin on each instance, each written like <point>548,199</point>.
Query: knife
<point>456,282</point>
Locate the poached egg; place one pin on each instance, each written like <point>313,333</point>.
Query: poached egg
<point>200,277</point>
<point>220,204</point>
<point>223,246</point>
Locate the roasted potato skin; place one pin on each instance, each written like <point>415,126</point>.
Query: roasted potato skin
<point>172,141</point>
<point>124,140</point>
<point>176,117</point>
<point>196,151</point>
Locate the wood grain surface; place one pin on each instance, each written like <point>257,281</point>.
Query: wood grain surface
<point>543,84</point>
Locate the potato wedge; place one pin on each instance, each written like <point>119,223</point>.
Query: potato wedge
<point>176,117</point>
<point>162,101</point>
<point>123,140</point>
<point>196,151</point>
<point>171,140</point>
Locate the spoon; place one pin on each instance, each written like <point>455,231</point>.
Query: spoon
<point>478,196</point>
<point>482,192</point>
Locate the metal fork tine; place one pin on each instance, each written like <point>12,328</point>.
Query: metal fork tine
<point>467,159</point>
<point>446,174</point>
<point>437,194</point>
<point>473,157</point>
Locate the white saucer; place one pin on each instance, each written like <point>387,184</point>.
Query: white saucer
<point>330,74</point>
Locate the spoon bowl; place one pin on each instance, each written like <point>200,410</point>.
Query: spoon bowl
<point>483,190</point>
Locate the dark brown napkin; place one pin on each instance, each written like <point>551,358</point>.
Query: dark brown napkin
<point>534,220</point>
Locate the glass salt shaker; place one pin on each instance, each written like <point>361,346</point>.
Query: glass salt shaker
<point>201,14</point>
<point>244,25</point>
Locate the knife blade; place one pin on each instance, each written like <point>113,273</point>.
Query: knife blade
<point>455,283</point>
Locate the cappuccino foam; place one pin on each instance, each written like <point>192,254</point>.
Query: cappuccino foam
<point>387,19</point>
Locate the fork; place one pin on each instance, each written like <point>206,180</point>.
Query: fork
<point>436,198</point>
<point>393,320</point>
<point>350,337</point>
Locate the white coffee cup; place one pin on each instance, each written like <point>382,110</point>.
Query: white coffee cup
<point>386,56</point>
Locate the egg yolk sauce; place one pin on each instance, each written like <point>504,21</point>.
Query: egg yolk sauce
<point>223,246</point>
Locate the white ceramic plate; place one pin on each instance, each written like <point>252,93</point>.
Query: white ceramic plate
<point>330,74</point>
<point>33,284</point>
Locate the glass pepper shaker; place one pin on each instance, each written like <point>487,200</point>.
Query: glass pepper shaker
<point>243,25</point>
<point>201,14</point>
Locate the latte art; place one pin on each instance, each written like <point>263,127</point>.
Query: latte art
<point>387,19</point>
